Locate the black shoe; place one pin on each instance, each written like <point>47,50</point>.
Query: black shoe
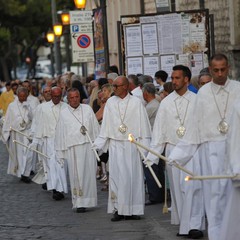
<point>25,179</point>
<point>57,195</point>
<point>81,210</point>
<point>44,186</point>
<point>195,234</point>
<point>148,203</point>
<point>133,217</point>
<point>117,217</point>
<point>181,235</point>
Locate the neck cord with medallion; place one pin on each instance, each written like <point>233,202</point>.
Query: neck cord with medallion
<point>82,128</point>
<point>23,123</point>
<point>181,130</point>
<point>223,125</point>
<point>123,127</point>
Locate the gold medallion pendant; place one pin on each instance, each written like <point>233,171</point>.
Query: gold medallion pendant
<point>181,131</point>
<point>122,128</point>
<point>223,127</point>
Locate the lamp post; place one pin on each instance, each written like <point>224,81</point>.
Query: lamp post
<point>65,17</point>
<point>50,39</point>
<point>57,28</point>
<point>105,33</point>
<point>57,50</point>
<point>81,4</point>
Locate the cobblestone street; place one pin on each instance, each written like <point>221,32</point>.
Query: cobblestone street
<point>28,212</point>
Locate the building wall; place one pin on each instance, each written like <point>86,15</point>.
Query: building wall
<point>115,9</point>
<point>226,23</point>
<point>226,26</point>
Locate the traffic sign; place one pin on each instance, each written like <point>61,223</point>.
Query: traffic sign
<point>82,36</point>
<point>83,41</point>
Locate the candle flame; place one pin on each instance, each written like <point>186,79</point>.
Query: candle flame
<point>130,137</point>
<point>187,178</point>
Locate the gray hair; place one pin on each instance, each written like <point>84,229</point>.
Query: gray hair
<point>22,89</point>
<point>144,79</point>
<point>149,88</point>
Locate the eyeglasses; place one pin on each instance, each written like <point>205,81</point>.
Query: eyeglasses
<point>116,86</point>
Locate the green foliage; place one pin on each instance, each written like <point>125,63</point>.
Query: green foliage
<point>5,37</point>
<point>24,24</point>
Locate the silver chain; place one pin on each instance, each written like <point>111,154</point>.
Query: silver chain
<point>75,115</point>
<point>185,114</point>
<point>122,119</point>
<point>225,108</point>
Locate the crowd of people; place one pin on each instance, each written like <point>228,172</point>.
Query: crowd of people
<point>77,132</point>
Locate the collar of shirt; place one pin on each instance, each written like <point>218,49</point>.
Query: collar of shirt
<point>217,88</point>
<point>185,95</point>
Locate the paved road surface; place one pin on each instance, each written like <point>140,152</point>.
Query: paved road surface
<point>27,212</point>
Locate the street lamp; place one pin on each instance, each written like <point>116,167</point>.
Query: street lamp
<point>80,4</point>
<point>65,17</point>
<point>57,28</point>
<point>50,39</point>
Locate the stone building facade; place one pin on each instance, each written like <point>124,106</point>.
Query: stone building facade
<point>226,26</point>
<point>226,23</point>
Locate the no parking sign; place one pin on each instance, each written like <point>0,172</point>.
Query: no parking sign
<point>84,41</point>
<point>82,36</point>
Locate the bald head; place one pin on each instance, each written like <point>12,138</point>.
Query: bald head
<point>56,94</point>
<point>120,86</point>
<point>47,93</point>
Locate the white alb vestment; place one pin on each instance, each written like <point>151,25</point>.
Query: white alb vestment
<point>187,202</point>
<point>19,117</point>
<point>33,102</point>
<point>214,104</point>
<point>213,147</point>
<point>137,92</point>
<point>231,218</point>
<point>126,184</point>
<point>44,134</point>
<point>32,155</point>
<point>74,147</point>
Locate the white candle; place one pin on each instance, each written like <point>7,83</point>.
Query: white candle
<point>209,177</point>
<point>24,145</point>
<point>94,150</point>
<point>131,139</point>
<point>150,168</point>
<point>15,130</point>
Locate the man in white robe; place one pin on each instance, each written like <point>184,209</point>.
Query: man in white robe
<point>31,155</point>
<point>124,114</point>
<point>72,145</point>
<point>19,117</point>
<point>44,135</point>
<point>231,218</point>
<point>213,109</point>
<point>173,121</point>
<point>32,100</point>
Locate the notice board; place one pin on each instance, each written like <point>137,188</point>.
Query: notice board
<point>160,41</point>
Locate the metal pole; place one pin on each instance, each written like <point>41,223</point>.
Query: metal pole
<point>57,52</point>
<point>67,43</point>
<point>105,34</point>
<point>202,4</point>
<point>52,60</point>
